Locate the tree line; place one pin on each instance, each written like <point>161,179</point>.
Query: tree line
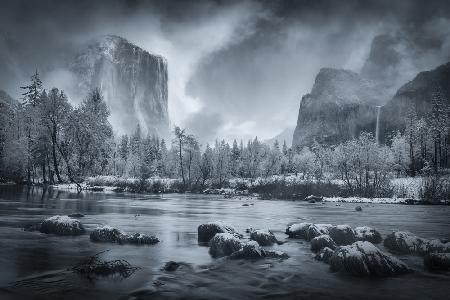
<point>48,140</point>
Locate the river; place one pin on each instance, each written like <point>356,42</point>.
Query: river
<point>36,265</point>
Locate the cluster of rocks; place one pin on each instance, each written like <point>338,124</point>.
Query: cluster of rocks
<point>407,243</point>
<point>66,225</point>
<point>224,240</point>
<point>348,250</point>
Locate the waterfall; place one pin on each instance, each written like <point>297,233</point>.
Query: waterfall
<point>377,127</point>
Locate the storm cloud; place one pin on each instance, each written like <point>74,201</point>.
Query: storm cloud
<point>237,69</point>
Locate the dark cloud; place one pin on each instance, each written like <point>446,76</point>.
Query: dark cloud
<point>240,67</point>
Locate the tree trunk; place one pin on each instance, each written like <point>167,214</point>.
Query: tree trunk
<point>55,162</point>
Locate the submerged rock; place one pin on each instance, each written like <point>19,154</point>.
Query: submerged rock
<point>322,241</point>
<point>369,234</point>
<point>364,259</point>
<point>207,231</point>
<point>263,237</point>
<point>170,266</point>
<point>325,254</point>
<point>76,215</point>
<point>32,227</point>
<point>224,244</point>
<point>437,261</point>
<point>61,225</point>
<point>108,234</point>
<point>342,234</point>
<point>406,242</point>
<point>297,230</point>
<point>358,208</point>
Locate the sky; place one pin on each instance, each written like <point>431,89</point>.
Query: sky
<point>237,69</point>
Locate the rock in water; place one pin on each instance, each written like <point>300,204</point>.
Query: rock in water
<point>108,234</point>
<point>342,234</point>
<point>170,266</point>
<point>133,83</point>
<point>317,229</point>
<point>406,242</point>
<point>140,239</point>
<point>263,237</point>
<point>297,230</point>
<point>364,259</point>
<point>252,250</point>
<point>358,208</point>
<point>365,233</point>
<point>62,225</point>
<point>224,244</point>
<point>325,255</point>
<point>437,261</point>
<point>322,241</point>
<point>207,231</point>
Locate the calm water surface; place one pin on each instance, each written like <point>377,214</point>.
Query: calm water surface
<point>35,265</point>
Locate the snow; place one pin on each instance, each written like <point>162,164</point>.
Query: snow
<point>64,220</point>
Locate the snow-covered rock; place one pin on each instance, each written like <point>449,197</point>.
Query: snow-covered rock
<point>406,242</point>
<point>297,230</point>
<point>264,237</point>
<point>252,250</point>
<point>207,231</point>
<point>315,230</point>
<point>140,239</point>
<point>325,254</point>
<point>108,234</point>
<point>437,261</point>
<point>342,234</point>
<point>61,225</point>
<point>364,259</point>
<point>322,241</point>
<point>224,244</point>
<point>369,234</point>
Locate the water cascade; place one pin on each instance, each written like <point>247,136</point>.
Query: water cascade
<point>377,128</point>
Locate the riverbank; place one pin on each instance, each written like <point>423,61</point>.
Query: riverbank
<point>287,188</point>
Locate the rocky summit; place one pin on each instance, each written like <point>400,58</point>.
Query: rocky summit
<point>133,83</point>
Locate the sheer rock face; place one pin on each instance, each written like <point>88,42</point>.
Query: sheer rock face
<point>415,95</point>
<point>341,105</point>
<point>133,83</point>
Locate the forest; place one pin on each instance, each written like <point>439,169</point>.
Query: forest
<point>44,139</point>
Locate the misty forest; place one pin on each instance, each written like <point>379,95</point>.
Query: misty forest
<point>224,150</point>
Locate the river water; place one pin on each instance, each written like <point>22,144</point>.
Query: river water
<point>36,266</point>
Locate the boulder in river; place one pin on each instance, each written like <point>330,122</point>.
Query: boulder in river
<point>317,229</point>
<point>325,254</point>
<point>322,241</point>
<point>207,231</point>
<point>61,225</point>
<point>76,215</point>
<point>170,266</point>
<point>437,261</point>
<point>313,198</point>
<point>107,234</point>
<point>358,208</point>
<point>406,242</point>
<point>369,234</point>
<point>263,237</point>
<point>364,259</point>
<point>252,250</point>
<point>297,230</point>
<point>224,244</point>
<point>342,234</point>
<point>110,234</point>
